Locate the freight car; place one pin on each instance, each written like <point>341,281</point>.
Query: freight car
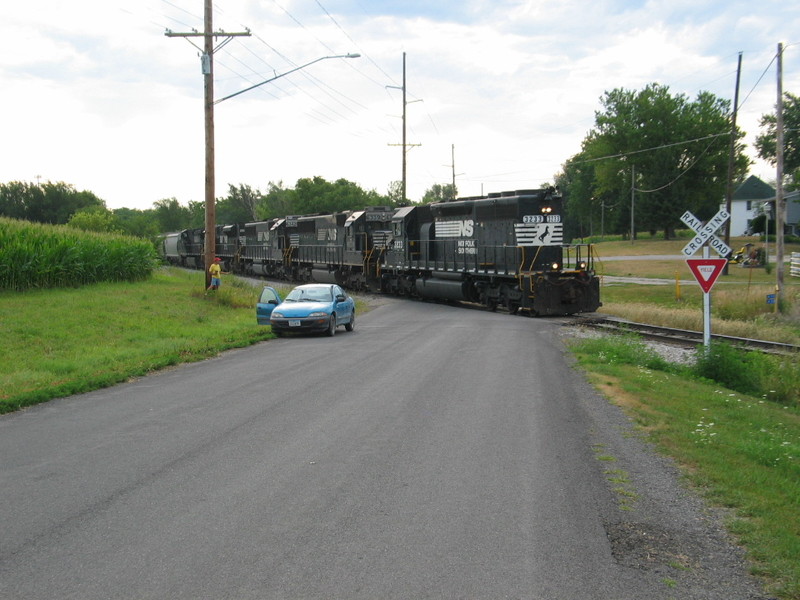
<point>501,250</point>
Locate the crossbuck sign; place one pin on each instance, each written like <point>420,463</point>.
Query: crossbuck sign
<point>705,233</point>
<point>706,270</point>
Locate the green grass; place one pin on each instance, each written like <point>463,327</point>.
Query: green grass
<point>647,245</point>
<point>741,451</point>
<point>65,341</point>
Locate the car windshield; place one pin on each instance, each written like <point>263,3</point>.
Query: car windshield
<point>309,295</point>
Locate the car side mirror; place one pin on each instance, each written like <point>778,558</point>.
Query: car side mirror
<point>275,302</point>
<point>341,298</point>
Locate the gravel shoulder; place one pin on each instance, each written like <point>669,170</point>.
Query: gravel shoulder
<point>664,528</point>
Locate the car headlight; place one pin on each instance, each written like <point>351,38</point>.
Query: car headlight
<point>277,314</point>
<point>318,314</point>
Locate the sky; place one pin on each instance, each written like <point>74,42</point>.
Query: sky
<point>499,94</point>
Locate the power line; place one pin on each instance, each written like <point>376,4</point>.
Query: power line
<point>369,58</point>
<point>633,152</point>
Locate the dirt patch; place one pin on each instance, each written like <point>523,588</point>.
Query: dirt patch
<point>647,546</point>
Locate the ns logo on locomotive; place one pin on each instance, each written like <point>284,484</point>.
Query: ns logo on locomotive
<point>500,250</point>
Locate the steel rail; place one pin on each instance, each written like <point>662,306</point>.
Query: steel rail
<point>681,336</point>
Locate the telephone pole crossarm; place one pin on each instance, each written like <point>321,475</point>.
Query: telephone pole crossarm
<point>214,34</point>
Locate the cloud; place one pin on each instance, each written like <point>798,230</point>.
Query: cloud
<point>501,92</point>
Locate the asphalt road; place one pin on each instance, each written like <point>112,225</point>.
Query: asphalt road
<point>435,452</point>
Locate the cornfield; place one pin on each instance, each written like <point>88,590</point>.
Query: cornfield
<point>33,255</point>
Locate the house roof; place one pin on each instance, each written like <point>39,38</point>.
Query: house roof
<point>753,189</point>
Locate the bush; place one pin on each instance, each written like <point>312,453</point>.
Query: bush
<point>734,368</point>
<point>772,377</point>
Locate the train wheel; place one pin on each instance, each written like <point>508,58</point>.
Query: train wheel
<point>512,307</point>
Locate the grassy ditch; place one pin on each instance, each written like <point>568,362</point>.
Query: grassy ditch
<point>65,341</point>
<point>741,450</point>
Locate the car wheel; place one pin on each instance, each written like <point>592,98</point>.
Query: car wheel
<point>331,326</point>
<point>349,326</point>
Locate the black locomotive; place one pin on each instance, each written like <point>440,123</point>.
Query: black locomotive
<point>501,250</point>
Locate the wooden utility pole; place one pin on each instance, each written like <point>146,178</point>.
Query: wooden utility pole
<point>404,127</point>
<point>404,145</point>
<point>207,64</point>
<point>633,206</point>
<point>453,164</point>
<point>732,158</point>
<point>208,117</point>
<point>780,204</point>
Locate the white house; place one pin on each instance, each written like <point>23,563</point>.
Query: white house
<point>748,202</point>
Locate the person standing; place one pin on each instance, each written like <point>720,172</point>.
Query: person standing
<point>216,271</point>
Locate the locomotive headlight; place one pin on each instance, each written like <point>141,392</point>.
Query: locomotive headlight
<point>555,266</point>
<point>582,265</point>
<point>547,210</point>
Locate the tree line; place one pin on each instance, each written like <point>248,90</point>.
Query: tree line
<point>62,204</point>
<point>650,156</point>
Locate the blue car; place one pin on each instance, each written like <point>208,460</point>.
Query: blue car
<point>314,308</point>
<point>267,302</point>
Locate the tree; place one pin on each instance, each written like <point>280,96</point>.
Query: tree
<point>240,206</point>
<point>394,194</point>
<point>139,223</point>
<point>767,142</point>
<point>49,202</point>
<point>197,214</point>
<point>320,196</point>
<point>95,219</point>
<point>277,202</point>
<point>170,215</point>
<point>439,193</point>
<point>673,151</point>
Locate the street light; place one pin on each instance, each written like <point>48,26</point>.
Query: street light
<point>207,62</point>
<point>252,87</point>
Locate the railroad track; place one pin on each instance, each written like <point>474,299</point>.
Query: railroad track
<point>680,337</point>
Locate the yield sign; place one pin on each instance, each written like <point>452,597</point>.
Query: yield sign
<point>706,270</point>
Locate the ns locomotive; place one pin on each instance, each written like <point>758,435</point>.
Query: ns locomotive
<point>500,250</point>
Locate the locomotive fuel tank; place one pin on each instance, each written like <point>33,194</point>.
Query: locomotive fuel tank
<point>435,288</point>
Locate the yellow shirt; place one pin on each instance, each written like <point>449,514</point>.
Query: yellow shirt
<point>215,270</point>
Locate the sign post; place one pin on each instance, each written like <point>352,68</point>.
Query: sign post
<point>706,270</point>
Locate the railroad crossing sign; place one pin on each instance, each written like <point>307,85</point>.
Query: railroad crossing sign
<point>706,270</point>
<point>705,233</point>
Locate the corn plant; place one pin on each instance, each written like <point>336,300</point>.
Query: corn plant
<point>34,255</point>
